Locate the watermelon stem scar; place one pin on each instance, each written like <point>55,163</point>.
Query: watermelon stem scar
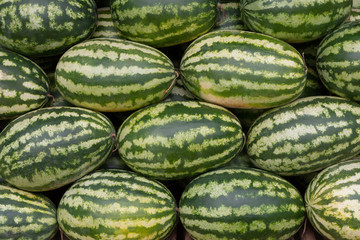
<point>223,15</point>
<point>172,83</point>
<point>115,142</point>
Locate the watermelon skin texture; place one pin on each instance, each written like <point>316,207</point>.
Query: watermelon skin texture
<point>117,204</point>
<point>241,203</point>
<point>305,136</point>
<point>45,28</point>
<point>166,23</point>
<point>105,26</point>
<point>114,75</point>
<point>295,21</point>
<point>338,60</point>
<point>355,11</point>
<point>332,201</point>
<point>51,147</point>
<point>26,215</point>
<point>239,69</point>
<point>24,85</point>
<point>179,139</point>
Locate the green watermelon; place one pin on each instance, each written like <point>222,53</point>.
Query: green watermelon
<point>179,139</point>
<point>332,201</point>
<point>338,59</point>
<point>293,20</point>
<point>239,69</point>
<point>165,23</point>
<point>117,204</point>
<point>45,28</point>
<point>26,216</point>
<point>23,85</point>
<point>113,75</point>
<point>241,203</point>
<point>51,147</point>
<point>305,136</point>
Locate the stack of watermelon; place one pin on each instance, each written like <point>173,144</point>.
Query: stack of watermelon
<point>201,119</point>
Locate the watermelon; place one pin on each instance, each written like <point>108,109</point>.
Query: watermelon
<point>239,69</point>
<point>293,20</point>
<point>45,28</point>
<point>25,215</point>
<point>241,203</point>
<point>338,59</point>
<point>165,23</point>
<point>105,26</point>
<point>23,85</point>
<point>305,136</point>
<point>179,139</point>
<point>332,201</point>
<point>51,147</point>
<point>117,204</point>
<point>113,75</point>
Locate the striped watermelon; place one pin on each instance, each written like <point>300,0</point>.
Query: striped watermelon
<point>51,147</point>
<point>179,139</point>
<point>23,85</point>
<point>112,75</point>
<point>45,28</point>
<point>338,60</point>
<point>231,16</point>
<point>355,11</point>
<point>105,26</point>
<point>332,201</point>
<point>293,20</point>
<point>240,69</point>
<point>241,203</point>
<point>117,204</point>
<point>163,23</point>
<point>26,216</point>
<point>305,136</point>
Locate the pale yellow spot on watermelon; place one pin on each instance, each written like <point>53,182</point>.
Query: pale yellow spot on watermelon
<point>29,219</point>
<point>32,12</point>
<point>3,219</point>
<point>18,108</point>
<point>29,96</point>
<point>8,63</point>
<point>6,93</point>
<point>26,70</point>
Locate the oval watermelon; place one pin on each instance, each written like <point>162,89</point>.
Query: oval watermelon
<point>51,147</point>
<point>179,139</point>
<point>117,204</point>
<point>45,28</point>
<point>241,203</point>
<point>112,75</point>
<point>239,69</point>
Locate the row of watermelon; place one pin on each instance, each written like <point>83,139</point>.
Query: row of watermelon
<point>49,28</point>
<point>176,140</point>
<point>111,75</point>
<point>229,203</point>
